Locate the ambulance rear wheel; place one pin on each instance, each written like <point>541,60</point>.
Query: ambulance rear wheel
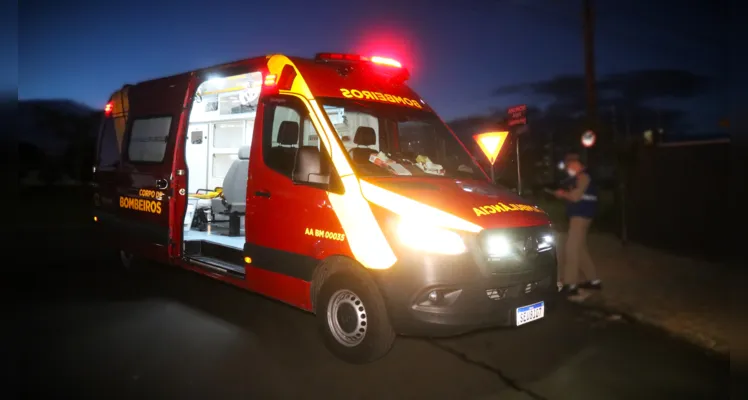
<point>353,319</point>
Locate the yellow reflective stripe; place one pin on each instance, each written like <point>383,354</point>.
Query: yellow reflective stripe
<point>365,237</point>
<point>316,122</point>
<point>404,206</point>
<point>275,66</point>
<point>339,160</point>
<point>336,153</point>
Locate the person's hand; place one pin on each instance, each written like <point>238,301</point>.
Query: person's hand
<point>560,193</point>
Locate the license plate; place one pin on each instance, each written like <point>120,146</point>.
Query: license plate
<point>530,313</point>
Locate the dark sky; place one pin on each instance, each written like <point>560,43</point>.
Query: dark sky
<point>458,51</point>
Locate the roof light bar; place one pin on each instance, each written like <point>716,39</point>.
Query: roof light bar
<point>384,61</point>
<point>339,57</point>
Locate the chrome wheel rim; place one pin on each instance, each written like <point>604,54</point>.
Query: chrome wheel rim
<point>346,317</point>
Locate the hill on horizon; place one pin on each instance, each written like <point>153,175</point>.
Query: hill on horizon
<point>52,125</point>
<point>60,105</point>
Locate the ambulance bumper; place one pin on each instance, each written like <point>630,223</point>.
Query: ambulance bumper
<point>450,295</point>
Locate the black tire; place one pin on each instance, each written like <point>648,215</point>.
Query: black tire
<point>378,336</point>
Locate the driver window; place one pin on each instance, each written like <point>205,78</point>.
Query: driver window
<point>291,144</point>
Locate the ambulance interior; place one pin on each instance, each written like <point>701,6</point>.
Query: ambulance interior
<point>219,136</point>
<point>217,154</point>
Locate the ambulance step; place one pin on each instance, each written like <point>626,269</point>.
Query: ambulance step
<point>219,266</point>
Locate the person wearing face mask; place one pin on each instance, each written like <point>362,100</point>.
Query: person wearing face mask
<point>581,200</point>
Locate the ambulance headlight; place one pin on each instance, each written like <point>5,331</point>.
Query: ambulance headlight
<point>545,242</point>
<point>498,247</point>
<point>432,239</point>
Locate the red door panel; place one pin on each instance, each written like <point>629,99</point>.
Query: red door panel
<point>290,226</point>
<point>147,189</point>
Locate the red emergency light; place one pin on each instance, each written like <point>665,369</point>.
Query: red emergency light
<point>270,79</point>
<point>108,108</point>
<point>389,62</point>
<point>285,81</point>
<point>338,57</point>
<point>386,61</point>
<point>390,67</point>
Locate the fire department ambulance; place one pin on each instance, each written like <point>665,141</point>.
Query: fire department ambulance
<point>327,184</point>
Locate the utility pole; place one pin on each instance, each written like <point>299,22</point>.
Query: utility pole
<point>621,173</point>
<point>589,67</point>
<point>519,174</point>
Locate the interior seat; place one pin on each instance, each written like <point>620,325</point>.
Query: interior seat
<point>365,136</point>
<point>309,166</point>
<point>234,196</point>
<point>283,156</point>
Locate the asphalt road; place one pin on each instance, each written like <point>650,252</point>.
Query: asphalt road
<point>90,330</point>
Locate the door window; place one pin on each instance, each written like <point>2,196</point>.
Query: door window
<point>196,137</point>
<point>109,153</point>
<point>148,139</point>
<point>286,126</point>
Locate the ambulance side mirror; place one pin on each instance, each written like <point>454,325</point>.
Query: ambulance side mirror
<point>311,169</point>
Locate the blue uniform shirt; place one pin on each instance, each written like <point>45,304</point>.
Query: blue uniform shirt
<point>587,206</point>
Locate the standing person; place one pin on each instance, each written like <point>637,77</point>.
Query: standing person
<point>581,199</point>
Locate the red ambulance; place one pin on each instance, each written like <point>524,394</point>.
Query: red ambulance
<point>327,184</point>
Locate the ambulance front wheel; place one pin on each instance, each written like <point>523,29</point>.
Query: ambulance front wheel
<point>353,319</point>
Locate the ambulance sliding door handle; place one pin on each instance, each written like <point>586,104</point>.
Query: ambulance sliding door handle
<point>162,184</point>
<point>261,193</point>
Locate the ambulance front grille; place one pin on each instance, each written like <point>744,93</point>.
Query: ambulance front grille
<point>517,290</point>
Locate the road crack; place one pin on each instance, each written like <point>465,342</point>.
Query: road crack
<point>484,366</point>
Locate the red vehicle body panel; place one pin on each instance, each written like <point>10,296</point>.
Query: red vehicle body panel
<point>290,290</point>
<point>178,178</point>
<point>149,233</point>
<point>280,222</point>
<point>482,209</point>
<point>289,210</point>
<point>325,81</point>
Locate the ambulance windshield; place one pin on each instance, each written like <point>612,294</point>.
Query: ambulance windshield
<point>393,140</point>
